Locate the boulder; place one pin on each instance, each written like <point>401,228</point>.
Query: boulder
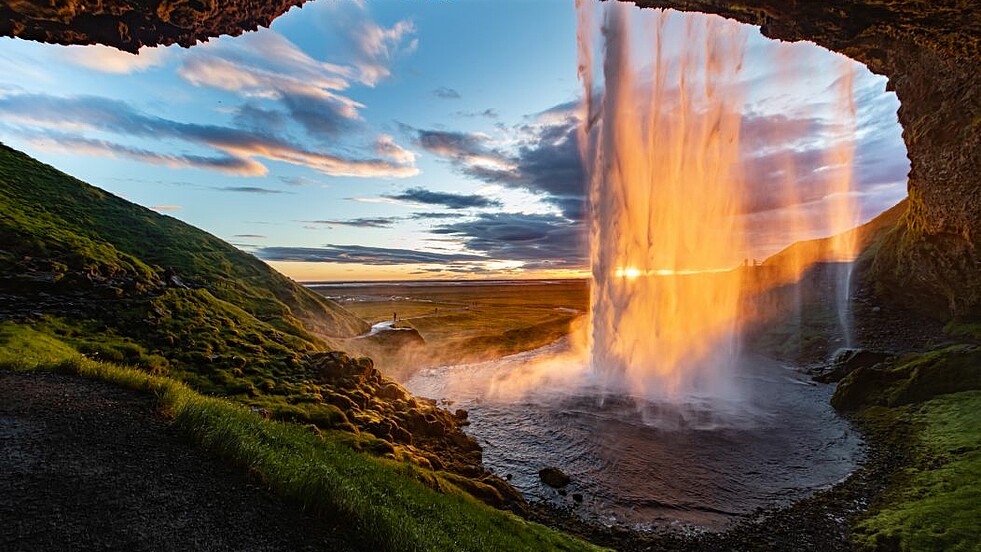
<point>847,361</point>
<point>554,477</point>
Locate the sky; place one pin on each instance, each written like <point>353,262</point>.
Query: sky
<point>397,139</point>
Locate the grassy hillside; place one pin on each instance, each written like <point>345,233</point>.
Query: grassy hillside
<point>101,277</point>
<point>56,228</point>
<point>128,284</point>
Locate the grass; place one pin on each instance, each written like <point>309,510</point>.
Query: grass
<point>934,504</point>
<point>383,504</point>
<point>91,273</point>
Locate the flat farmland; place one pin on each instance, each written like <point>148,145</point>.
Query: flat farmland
<point>461,321</point>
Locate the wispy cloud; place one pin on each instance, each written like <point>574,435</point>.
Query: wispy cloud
<point>422,196</point>
<point>376,222</point>
<point>110,60</point>
<point>62,120</point>
<point>166,208</point>
<point>446,93</point>
<point>53,140</point>
<point>249,190</point>
<point>489,113</point>
<point>299,181</point>
<point>266,65</point>
<point>362,255</point>
<point>377,47</point>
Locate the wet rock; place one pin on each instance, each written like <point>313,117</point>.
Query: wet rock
<point>847,361</point>
<point>577,497</point>
<point>554,477</point>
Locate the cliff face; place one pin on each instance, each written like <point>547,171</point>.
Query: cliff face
<point>930,51</point>
<point>129,24</point>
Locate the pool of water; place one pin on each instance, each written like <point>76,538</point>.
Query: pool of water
<point>643,464</point>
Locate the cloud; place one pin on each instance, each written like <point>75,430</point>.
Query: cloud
<point>76,145</point>
<point>110,60</point>
<point>448,200</point>
<point>377,47</point>
<point>431,215</point>
<point>381,222</point>
<point>544,161</point>
<point>265,65</point>
<point>249,190</point>
<point>489,113</point>
<point>446,93</point>
<point>385,146</point>
<point>253,236</point>
<point>375,222</point>
<point>299,181</point>
<point>57,116</point>
<point>166,208</point>
<point>537,240</point>
<point>360,254</point>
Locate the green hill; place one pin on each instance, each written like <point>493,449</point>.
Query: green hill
<point>90,273</point>
<point>175,297</point>
<point>56,228</point>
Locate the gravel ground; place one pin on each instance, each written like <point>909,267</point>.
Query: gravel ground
<point>89,466</point>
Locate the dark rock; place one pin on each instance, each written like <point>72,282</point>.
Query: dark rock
<point>911,379</point>
<point>848,360</point>
<point>577,497</point>
<point>461,414</point>
<point>554,477</point>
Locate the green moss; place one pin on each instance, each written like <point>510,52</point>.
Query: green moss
<point>964,328</point>
<point>912,378</point>
<point>935,502</point>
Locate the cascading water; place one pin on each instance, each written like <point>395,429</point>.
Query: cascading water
<point>660,419</point>
<point>662,151</point>
<point>844,209</point>
<point>668,228</point>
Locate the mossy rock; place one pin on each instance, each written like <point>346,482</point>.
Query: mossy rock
<point>911,379</point>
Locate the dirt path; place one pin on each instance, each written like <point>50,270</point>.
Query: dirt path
<point>88,466</point>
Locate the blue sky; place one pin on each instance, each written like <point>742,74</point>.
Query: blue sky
<point>389,138</point>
